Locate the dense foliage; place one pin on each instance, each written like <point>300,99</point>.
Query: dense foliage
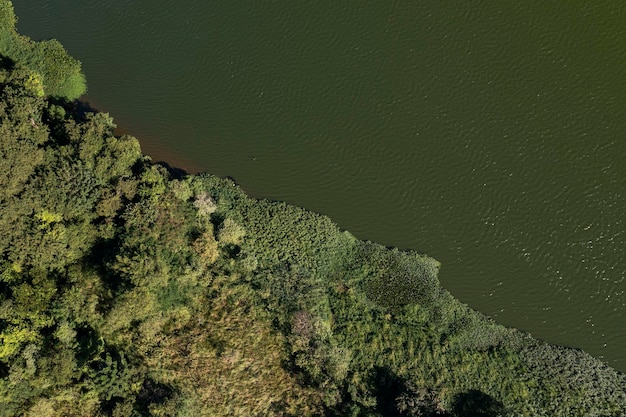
<point>127,291</point>
<point>53,71</point>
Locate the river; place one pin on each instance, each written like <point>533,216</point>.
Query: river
<point>489,135</point>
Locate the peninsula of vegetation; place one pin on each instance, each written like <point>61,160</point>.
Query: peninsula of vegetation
<point>128,291</point>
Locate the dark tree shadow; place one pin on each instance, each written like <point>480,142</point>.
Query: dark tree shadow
<point>474,403</point>
<point>397,398</point>
<point>88,345</point>
<point>103,253</point>
<point>6,63</point>
<point>152,393</point>
<point>387,387</point>
<point>4,370</point>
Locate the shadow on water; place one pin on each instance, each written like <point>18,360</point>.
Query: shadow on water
<point>82,108</point>
<point>175,173</point>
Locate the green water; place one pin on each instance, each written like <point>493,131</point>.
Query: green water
<point>489,134</point>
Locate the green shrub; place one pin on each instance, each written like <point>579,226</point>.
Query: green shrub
<point>394,279</point>
<point>61,74</point>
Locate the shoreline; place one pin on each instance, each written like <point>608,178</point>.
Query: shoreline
<point>151,147</point>
<point>158,288</point>
<point>177,164</point>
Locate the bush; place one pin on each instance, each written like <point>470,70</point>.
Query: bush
<point>61,74</point>
<point>394,279</point>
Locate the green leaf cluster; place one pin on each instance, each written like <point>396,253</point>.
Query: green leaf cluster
<point>54,71</point>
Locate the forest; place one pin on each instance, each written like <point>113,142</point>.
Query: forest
<point>131,289</point>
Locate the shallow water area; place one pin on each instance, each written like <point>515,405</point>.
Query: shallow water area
<point>489,136</point>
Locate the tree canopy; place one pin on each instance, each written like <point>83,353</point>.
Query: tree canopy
<point>53,71</point>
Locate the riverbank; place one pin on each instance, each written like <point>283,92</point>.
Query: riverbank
<point>125,289</point>
<point>512,178</point>
<point>129,290</point>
